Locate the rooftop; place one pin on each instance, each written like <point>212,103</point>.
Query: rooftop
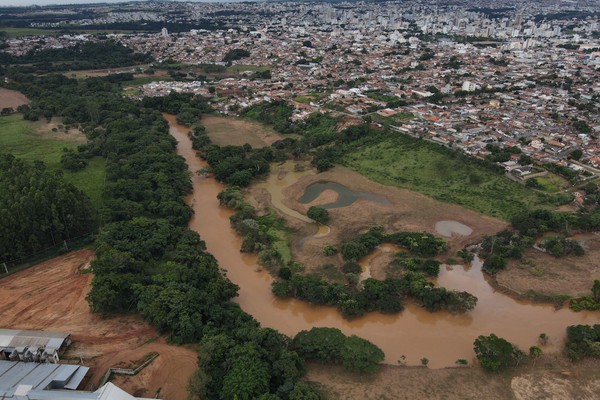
<point>23,338</point>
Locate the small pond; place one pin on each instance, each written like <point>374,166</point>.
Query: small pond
<point>346,195</point>
<point>449,228</point>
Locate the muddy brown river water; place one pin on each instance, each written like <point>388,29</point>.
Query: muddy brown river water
<point>415,333</point>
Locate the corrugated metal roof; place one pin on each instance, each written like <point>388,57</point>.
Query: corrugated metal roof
<point>16,338</point>
<point>38,376</point>
<point>106,392</point>
<point>77,377</point>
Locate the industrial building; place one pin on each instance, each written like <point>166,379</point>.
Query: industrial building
<point>34,381</point>
<point>36,376</point>
<point>32,346</point>
<point>30,369</point>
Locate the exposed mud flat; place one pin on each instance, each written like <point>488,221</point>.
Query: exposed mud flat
<point>548,379</point>
<point>449,228</point>
<point>549,275</point>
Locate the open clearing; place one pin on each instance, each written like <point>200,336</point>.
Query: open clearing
<point>51,296</point>
<point>225,131</point>
<point>17,32</point>
<point>12,98</point>
<point>548,275</point>
<point>552,378</point>
<point>135,69</point>
<point>434,171</point>
<point>33,141</point>
<point>406,211</point>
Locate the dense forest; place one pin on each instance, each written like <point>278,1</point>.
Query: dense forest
<point>148,261</point>
<point>86,55</point>
<point>38,209</point>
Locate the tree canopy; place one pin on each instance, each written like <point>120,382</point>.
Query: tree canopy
<point>147,261</point>
<point>38,209</point>
<point>495,353</point>
<point>330,345</point>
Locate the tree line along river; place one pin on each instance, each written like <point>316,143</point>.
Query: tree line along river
<point>415,333</point>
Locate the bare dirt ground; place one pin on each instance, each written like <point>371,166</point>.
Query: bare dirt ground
<point>51,296</point>
<point>73,135</point>
<point>12,98</point>
<point>167,375</point>
<point>548,380</point>
<point>409,211</point>
<point>549,275</point>
<point>233,131</point>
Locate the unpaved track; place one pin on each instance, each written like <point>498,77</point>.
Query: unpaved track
<point>51,296</point>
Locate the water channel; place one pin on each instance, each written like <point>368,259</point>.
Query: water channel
<point>415,333</point>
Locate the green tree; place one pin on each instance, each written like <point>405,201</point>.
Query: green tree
<point>186,118</point>
<point>330,250</point>
<point>72,161</point>
<point>535,353</point>
<point>323,344</point>
<point>248,377</point>
<point>495,353</point>
<point>318,214</point>
<point>576,154</point>
<point>302,391</point>
<point>353,250</point>
<point>38,209</point>
<point>360,355</point>
<point>494,263</point>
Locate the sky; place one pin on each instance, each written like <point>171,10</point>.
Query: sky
<point>4,3</point>
<point>46,2</point>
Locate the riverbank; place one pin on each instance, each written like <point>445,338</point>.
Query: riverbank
<point>546,276</point>
<point>549,378</point>
<point>372,204</point>
<point>415,333</point>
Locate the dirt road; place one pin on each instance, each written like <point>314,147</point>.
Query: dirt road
<point>51,296</point>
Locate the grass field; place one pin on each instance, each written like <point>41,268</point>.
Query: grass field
<point>397,119</point>
<point>16,32</point>
<point>225,131</point>
<point>552,183</point>
<point>90,180</point>
<point>425,168</point>
<point>31,141</point>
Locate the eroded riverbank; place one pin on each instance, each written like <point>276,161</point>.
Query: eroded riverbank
<point>415,333</point>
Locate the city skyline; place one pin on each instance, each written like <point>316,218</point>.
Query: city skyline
<point>27,3</point>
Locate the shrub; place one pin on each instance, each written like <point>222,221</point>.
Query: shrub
<point>330,250</point>
<point>318,214</point>
<point>351,267</point>
<point>495,353</point>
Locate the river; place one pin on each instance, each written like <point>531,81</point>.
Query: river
<point>415,333</point>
